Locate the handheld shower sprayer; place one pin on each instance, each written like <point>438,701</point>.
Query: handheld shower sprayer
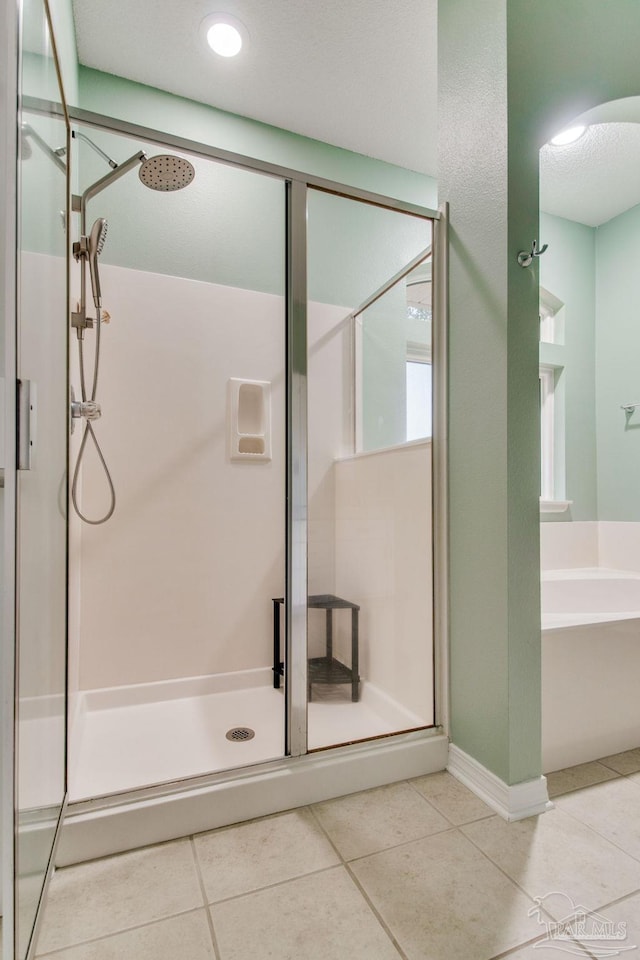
<point>95,245</point>
<point>165,173</point>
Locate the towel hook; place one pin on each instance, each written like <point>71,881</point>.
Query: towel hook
<point>526,259</point>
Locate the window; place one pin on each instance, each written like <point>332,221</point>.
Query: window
<point>419,404</point>
<point>551,313</point>
<point>552,406</point>
<point>552,467</point>
<point>419,393</point>
<point>418,365</point>
<point>547,432</point>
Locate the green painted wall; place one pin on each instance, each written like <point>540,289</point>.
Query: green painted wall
<point>228,227</point>
<point>126,100</point>
<point>568,271</point>
<point>617,366</point>
<point>593,271</point>
<point>65,34</point>
<point>43,183</point>
<point>517,73</point>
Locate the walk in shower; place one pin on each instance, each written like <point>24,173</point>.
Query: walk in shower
<point>250,546</point>
<point>242,401</point>
<point>178,608</point>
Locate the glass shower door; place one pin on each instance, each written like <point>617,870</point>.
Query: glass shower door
<point>370,574</point>
<point>172,597</point>
<point>41,477</point>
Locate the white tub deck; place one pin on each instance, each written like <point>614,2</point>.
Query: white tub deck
<point>590,664</point>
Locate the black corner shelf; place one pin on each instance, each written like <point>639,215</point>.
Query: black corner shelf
<point>323,669</point>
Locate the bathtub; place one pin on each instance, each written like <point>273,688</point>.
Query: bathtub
<point>590,664</point>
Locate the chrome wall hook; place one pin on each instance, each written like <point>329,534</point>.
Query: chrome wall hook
<point>526,259</point>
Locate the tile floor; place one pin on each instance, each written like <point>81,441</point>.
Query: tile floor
<point>420,870</point>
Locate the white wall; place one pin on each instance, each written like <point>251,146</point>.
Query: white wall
<point>331,424</point>
<point>383,562</point>
<point>604,543</point>
<point>179,582</point>
<point>564,545</point>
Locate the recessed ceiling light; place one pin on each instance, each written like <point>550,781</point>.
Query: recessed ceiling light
<point>224,34</point>
<point>570,135</point>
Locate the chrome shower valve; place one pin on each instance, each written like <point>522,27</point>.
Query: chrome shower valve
<point>84,410</point>
<point>87,409</point>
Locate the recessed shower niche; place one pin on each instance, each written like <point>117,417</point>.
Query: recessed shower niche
<point>249,413</point>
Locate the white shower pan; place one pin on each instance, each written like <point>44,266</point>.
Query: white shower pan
<point>126,738</point>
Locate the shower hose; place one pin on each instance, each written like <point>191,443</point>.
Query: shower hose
<point>89,431</point>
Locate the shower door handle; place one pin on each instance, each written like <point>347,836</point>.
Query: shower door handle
<point>26,426</point>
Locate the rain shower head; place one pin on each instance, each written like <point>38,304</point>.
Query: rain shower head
<point>166,172</point>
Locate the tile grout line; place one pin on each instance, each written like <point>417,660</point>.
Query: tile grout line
<point>513,951</point>
<point>490,813</point>
<point>499,868</point>
<point>601,836</point>
<point>605,764</point>
<point>403,843</point>
<point>359,887</point>
<point>272,886</point>
<point>540,939</point>
<point>102,858</point>
<point>530,897</point>
<point>226,827</point>
<point>433,807</point>
<point>207,906</point>
<point>115,933</point>
<point>618,776</point>
<point>347,866</point>
<point>583,786</point>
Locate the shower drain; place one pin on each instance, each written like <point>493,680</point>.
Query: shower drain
<point>238,734</point>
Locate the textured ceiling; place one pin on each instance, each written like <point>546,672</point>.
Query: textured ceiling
<point>360,74</point>
<point>355,73</point>
<point>595,178</point>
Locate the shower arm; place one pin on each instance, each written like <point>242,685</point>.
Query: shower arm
<point>105,156</point>
<point>79,318</point>
<point>28,131</point>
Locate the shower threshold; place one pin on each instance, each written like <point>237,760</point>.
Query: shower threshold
<point>125,738</point>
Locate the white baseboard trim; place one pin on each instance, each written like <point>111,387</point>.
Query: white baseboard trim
<point>512,802</point>
<point>95,829</point>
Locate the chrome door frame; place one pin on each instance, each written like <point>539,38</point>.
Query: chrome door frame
<point>297,440</point>
<point>440,467</point>
<point>12,103</point>
<point>9,21</point>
